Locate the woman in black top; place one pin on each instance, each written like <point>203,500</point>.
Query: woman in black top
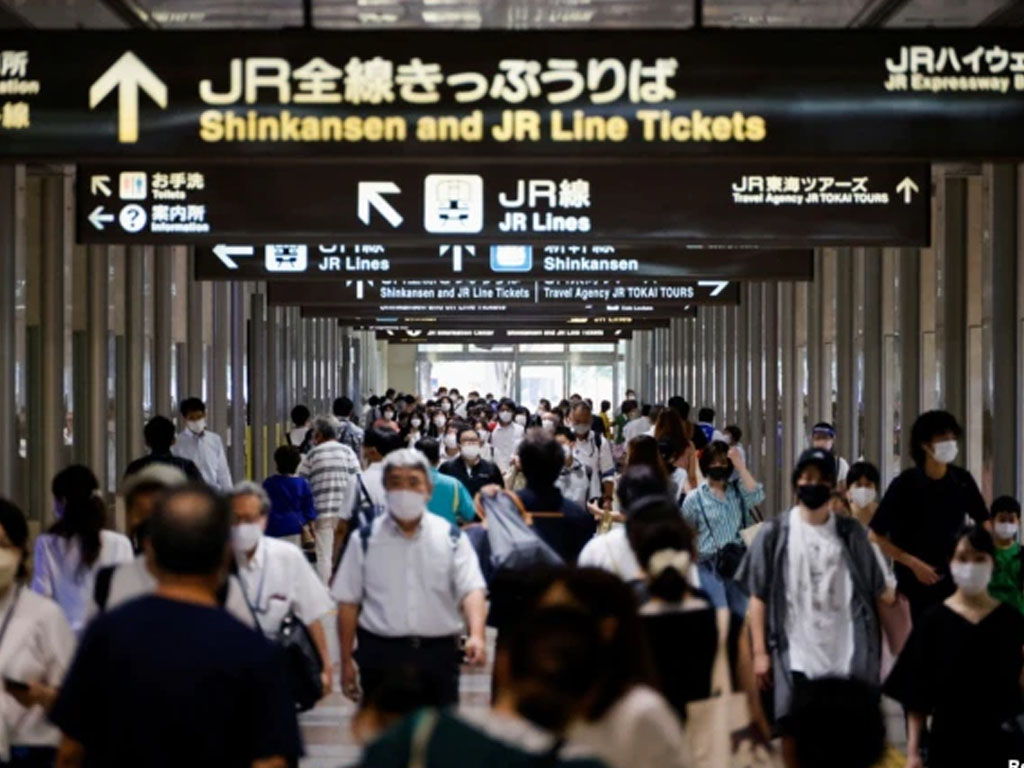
<point>678,619</point>
<point>918,518</point>
<point>962,666</point>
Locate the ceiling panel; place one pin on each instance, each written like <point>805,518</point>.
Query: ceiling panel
<point>65,14</point>
<point>781,13</point>
<point>220,14</point>
<point>945,13</point>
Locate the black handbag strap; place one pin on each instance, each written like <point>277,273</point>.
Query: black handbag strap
<point>711,531</point>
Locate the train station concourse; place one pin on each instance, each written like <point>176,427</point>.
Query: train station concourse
<point>485,383</point>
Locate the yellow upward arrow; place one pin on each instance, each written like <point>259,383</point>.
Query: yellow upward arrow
<point>128,74</point>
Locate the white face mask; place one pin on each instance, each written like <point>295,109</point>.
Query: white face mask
<point>548,425</point>
<point>389,415</point>
<point>196,427</point>
<point>10,559</point>
<point>451,441</point>
<point>440,421</point>
<point>446,406</point>
<point>485,436</point>
<point>415,423</point>
<point>505,417</point>
<point>470,452</point>
<point>406,505</point>
<point>245,537</point>
<point>945,451</point>
<point>1006,530</point>
<point>581,429</point>
<point>521,419</point>
<point>862,496</point>
<point>972,578</point>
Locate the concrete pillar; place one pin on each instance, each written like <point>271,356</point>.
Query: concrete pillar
<point>875,448</point>
<point>196,325</point>
<point>92,414</point>
<point>771,395</point>
<point>755,334</point>
<point>257,385</point>
<point>217,401</point>
<point>163,271</point>
<point>790,393</point>
<point>743,363</point>
<point>910,347</point>
<point>12,249</point>
<point>846,385</point>
<point>952,249</point>
<point>135,340</point>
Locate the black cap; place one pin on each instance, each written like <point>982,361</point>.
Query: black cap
<point>823,428</point>
<point>815,457</point>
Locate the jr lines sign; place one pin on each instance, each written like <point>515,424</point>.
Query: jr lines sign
<point>899,93</point>
<point>462,208</point>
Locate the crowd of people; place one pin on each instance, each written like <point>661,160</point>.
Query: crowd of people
<point>647,610</point>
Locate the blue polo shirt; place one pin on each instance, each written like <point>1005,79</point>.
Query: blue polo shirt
<point>451,500</point>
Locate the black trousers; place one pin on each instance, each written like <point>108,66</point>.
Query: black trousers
<point>32,757</point>
<point>436,660</point>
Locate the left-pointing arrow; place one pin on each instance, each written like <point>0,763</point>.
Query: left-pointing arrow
<point>98,217</point>
<point>225,252</point>
<point>128,74</point>
<point>99,184</point>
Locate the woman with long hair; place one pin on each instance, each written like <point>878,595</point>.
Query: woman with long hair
<point>673,435</point>
<point>68,557</point>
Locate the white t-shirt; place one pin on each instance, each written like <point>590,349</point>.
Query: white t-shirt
<point>641,729</point>
<point>505,438</point>
<point>37,648</point>
<point>611,552</point>
<point>58,573</point>
<point>636,428</point>
<point>819,621</point>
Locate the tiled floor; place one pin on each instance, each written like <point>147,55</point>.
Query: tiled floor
<point>328,734</point>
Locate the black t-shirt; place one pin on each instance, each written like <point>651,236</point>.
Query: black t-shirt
<point>683,646</point>
<point>159,682</point>
<point>921,516</point>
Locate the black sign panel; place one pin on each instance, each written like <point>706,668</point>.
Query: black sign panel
<point>458,205</point>
<point>364,260</point>
<point>362,297</point>
<point>506,336</point>
<point>898,93</point>
<point>513,317</point>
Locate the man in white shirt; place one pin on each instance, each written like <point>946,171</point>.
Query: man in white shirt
<point>408,586</point>
<point>117,584</point>
<point>204,448</point>
<point>638,423</point>
<point>332,470</point>
<point>377,444</point>
<point>573,481</point>
<point>506,435</point>
<point>595,453</point>
<point>276,578</point>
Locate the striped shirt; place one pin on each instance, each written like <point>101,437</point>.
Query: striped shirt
<point>332,469</point>
<point>726,518</point>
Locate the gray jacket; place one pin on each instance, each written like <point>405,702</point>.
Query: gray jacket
<point>763,573</point>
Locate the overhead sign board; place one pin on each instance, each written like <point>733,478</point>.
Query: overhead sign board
<point>490,296</point>
<point>892,93</point>
<point>505,336</point>
<point>573,260</point>
<point>465,209</point>
<point>511,317</point>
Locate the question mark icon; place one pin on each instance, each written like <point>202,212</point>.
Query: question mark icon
<point>132,218</point>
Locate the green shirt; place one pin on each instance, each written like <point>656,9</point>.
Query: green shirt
<point>1006,580</point>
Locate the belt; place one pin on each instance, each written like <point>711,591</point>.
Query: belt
<point>411,641</point>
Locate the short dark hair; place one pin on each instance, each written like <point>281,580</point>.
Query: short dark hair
<point>300,415</point>
<point>159,434</point>
<point>734,432</point>
<point>978,538</point>
<point>865,470</point>
<point>628,406</point>
<point>16,527</point>
<point>605,405</point>
<point>815,457</point>
<point>190,405</point>
<point>715,450</point>
<point>287,459</point>
<point>926,427</point>
<point>638,482</point>
<point>1006,504</point>
<point>430,448</point>
<point>569,434</point>
<point>837,722</point>
<point>384,440</point>
<point>680,406</point>
<point>706,414</point>
<point>541,460</point>
<point>189,531</point>
<point>581,405</point>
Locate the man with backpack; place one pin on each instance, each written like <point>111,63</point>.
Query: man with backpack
<point>408,587</point>
<point>595,453</point>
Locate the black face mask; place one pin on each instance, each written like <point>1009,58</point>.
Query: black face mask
<point>813,496</point>
<point>720,474</point>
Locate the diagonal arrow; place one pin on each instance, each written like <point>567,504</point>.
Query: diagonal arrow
<point>225,252</point>
<point>370,195</point>
<point>99,183</point>
<point>717,285</point>
<point>128,74</point>
<point>98,217</point>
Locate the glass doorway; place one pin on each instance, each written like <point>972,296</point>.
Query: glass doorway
<point>537,381</point>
